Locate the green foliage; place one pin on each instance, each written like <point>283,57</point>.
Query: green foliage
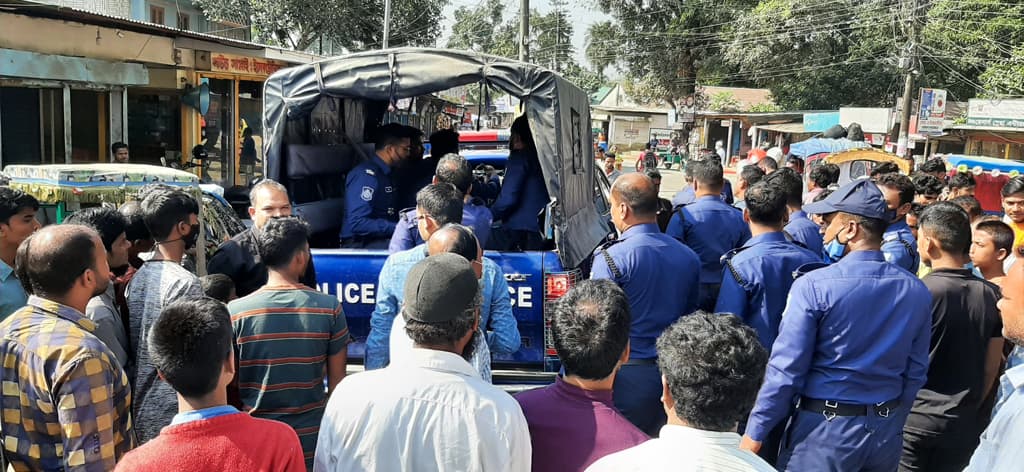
<point>764,108</point>
<point>670,46</point>
<point>486,29</point>
<point>351,24</point>
<point>724,101</point>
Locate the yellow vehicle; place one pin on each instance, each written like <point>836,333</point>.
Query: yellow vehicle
<point>857,163</point>
<point>63,189</point>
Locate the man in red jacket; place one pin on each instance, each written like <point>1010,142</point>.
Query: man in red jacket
<point>191,346</point>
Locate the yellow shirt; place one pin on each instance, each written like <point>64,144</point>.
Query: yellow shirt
<point>1018,234</point>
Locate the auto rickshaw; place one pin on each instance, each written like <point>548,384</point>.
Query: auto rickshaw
<point>857,163</point>
<point>63,189</point>
<point>990,175</point>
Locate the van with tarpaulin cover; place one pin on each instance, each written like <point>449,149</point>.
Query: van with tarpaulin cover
<point>319,120</point>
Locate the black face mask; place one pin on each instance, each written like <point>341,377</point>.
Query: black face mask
<point>191,238</point>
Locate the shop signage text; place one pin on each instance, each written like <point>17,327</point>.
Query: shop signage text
<point>995,113</point>
<point>244,65</point>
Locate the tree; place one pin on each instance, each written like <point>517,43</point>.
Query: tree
<point>974,47</point>
<point>485,29</point>
<point>601,43</point>
<point>672,46</point>
<point>814,58</point>
<point>478,29</point>
<point>351,24</point>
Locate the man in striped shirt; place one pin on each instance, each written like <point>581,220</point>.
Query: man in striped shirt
<point>287,337</point>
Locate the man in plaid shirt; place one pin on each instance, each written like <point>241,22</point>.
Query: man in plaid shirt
<point>65,399</point>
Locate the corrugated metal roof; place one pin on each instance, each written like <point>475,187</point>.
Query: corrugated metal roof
<point>34,9</point>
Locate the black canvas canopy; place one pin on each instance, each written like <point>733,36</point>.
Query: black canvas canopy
<point>557,110</point>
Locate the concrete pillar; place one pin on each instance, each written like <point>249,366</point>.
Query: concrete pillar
<point>67,124</point>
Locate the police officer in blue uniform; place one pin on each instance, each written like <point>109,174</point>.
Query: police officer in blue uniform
<point>523,194</point>
<point>898,242</point>
<point>757,276</point>
<point>852,349</point>
<point>660,277</point>
<point>370,200</point>
<point>800,228</point>
<point>709,226</point>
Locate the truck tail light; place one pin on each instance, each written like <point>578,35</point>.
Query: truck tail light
<point>556,284</point>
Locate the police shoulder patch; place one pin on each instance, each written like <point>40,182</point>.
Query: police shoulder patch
<point>366,194</point>
<point>807,268</point>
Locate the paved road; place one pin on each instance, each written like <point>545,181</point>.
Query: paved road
<point>672,180</point>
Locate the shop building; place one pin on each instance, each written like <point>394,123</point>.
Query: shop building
<point>94,79</point>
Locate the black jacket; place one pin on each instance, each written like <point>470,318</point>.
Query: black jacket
<point>239,258</point>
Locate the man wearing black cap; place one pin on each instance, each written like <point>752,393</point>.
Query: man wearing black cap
<point>852,347</point>
<point>429,409</point>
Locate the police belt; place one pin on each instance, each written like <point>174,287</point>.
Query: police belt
<point>651,361</point>
<point>832,409</point>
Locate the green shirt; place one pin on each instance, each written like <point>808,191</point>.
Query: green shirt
<point>283,336</point>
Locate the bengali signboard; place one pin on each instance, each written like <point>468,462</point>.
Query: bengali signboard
<point>244,65</point>
<point>931,111</point>
<point>995,113</point>
<point>818,122</point>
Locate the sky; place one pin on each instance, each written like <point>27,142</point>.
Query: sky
<point>583,13</point>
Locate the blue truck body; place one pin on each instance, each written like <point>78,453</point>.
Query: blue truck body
<point>319,122</point>
<point>352,276</point>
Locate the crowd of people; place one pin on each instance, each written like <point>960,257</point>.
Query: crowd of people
<point>867,326</point>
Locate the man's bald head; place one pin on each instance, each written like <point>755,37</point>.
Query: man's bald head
<point>53,258</point>
<point>454,238</point>
<point>638,192</point>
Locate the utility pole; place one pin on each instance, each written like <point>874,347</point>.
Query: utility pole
<point>387,22</point>
<point>524,30</point>
<point>903,143</point>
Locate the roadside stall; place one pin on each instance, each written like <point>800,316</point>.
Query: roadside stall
<point>63,189</point>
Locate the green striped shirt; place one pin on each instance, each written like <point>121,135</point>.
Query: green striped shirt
<point>283,336</point>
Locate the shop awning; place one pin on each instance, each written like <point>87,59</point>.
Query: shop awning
<point>31,65</point>
<point>797,128</point>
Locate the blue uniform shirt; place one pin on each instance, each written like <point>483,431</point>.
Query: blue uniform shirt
<point>857,331</point>
<point>711,228</point>
<point>659,277</point>
<point>523,195</point>
<point>370,211</point>
<point>687,195</point>
<point>756,282</point>
<point>900,247</point>
<point>407,234</point>
<point>805,231</point>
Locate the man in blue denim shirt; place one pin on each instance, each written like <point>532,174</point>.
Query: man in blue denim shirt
<point>437,205</point>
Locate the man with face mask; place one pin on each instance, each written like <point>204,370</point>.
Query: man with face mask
<point>74,413</point>
<point>271,384</point>
<point>371,200</point>
<point>852,348</point>
<point>429,409</point>
<point>172,217</point>
<point>102,309</point>
<point>898,242</point>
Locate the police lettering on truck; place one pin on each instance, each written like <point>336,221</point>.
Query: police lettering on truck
<point>366,294</point>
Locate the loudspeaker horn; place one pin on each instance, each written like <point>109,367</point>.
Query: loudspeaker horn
<point>198,98</point>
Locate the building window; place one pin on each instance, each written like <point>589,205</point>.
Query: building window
<point>183,21</point>
<point>156,15</point>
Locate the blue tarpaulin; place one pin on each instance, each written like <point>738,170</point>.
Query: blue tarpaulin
<point>814,146</point>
